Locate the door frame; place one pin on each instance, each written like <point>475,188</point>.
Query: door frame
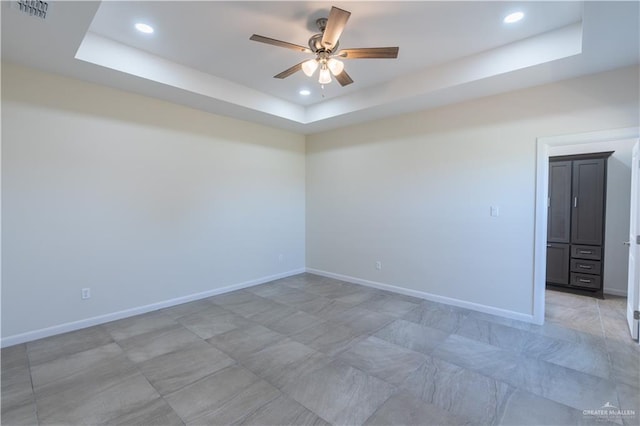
<point>634,229</point>
<point>543,144</point>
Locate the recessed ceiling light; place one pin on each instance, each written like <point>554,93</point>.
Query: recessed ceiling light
<point>144,28</point>
<point>305,92</point>
<point>513,17</point>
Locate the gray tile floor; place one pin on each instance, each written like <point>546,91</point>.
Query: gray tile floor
<point>308,350</point>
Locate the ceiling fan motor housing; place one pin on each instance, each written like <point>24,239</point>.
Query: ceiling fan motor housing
<point>322,23</point>
<point>315,42</point>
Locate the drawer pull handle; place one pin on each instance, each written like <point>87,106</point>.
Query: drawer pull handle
<point>585,251</point>
<point>582,280</point>
<point>585,266</point>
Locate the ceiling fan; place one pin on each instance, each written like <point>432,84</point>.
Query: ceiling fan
<point>325,46</point>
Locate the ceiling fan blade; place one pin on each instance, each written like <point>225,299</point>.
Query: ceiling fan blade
<point>370,53</point>
<point>286,73</point>
<point>344,78</point>
<point>279,43</point>
<point>335,25</point>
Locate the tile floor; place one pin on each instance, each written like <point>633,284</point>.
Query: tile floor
<point>308,350</point>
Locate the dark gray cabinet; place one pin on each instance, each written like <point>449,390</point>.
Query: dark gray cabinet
<point>586,266</point>
<point>575,222</point>
<point>587,213</point>
<point>558,256</point>
<point>559,211</point>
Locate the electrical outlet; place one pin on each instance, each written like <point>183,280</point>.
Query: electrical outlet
<point>378,265</point>
<point>280,257</point>
<point>86,293</point>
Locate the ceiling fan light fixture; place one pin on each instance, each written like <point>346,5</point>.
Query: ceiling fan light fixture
<point>325,75</point>
<point>309,67</point>
<point>335,66</point>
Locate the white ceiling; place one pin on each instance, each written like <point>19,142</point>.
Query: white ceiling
<point>200,54</point>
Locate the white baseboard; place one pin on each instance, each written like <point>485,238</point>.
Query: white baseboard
<point>101,319</point>
<point>428,296</point>
<point>615,292</point>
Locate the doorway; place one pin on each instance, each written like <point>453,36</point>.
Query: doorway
<point>610,140</point>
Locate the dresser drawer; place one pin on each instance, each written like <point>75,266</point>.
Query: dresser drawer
<point>586,252</point>
<point>586,266</point>
<point>585,281</point>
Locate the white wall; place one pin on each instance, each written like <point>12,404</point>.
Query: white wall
<point>141,200</point>
<point>146,201</point>
<point>616,254</point>
<point>415,191</point>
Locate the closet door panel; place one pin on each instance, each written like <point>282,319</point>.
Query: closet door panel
<point>588,202</point>
<point>559,208</point>
<point>558,263</point>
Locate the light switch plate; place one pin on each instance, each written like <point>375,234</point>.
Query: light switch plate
<point>495,211</point>
<point>85,293</point>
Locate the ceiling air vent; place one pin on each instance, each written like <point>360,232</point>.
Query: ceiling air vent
<point>34,7</point>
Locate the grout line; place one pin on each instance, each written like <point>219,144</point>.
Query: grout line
<point>600,319</point>
<point>33,390</point>
<point>607,349</point>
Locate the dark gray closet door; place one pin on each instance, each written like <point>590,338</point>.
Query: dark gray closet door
<point>559,209</point>
<point>588,201</point>
<point>558,263</point>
